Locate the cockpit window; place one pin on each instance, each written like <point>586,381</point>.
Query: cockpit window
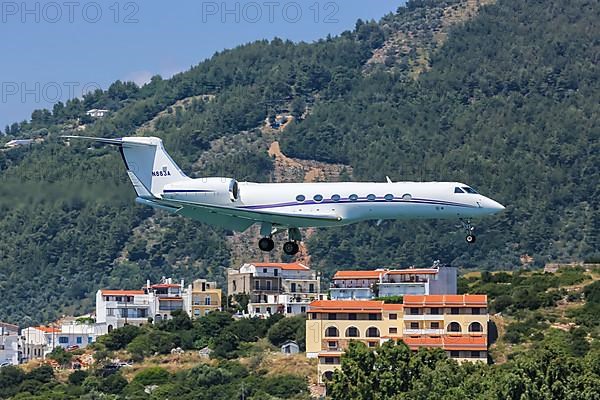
<point>458,190</point>
<point>469,190</point>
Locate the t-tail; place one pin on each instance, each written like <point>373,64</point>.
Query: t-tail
<point>149,167</point>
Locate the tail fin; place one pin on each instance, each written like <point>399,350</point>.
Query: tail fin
<point>148,165</point>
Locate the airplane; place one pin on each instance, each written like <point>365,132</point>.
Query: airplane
<point>277,207</point>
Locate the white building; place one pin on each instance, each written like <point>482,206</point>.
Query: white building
<point>285,288</point>
<point>39,341</point>
<point>117,308</point>
<point>97,113</point>
<point>367,285</point>
<point>10,344</point>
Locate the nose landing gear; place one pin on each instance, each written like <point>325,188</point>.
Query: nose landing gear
<point>470,238</point>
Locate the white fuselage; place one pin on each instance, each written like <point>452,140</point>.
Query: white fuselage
<point>349,201</point>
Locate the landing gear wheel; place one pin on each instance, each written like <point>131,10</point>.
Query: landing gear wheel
<point>290,248</point>
<point>266,244</point>
<point>470,239</point>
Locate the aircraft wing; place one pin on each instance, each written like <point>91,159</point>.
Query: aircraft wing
<point>240,219</point>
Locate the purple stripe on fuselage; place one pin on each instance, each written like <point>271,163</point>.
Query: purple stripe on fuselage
<point>365,200</point>
<point>188,191</point>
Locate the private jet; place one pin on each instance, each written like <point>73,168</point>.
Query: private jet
<point>279,207</point>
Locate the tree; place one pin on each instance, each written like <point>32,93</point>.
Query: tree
<point>119,338</point>
<point>286,329</point>
<point>61,356</point>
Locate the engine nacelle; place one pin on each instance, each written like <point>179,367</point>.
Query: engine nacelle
<point>204,190</point>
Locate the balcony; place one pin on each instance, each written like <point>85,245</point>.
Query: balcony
<point>423,332</point>
<point>423,317</point>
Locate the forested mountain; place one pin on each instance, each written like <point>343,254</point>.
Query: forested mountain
<point>505,98</point>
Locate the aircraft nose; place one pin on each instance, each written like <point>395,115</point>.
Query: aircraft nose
<point>493,205</point>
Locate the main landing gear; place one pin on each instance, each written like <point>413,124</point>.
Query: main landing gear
<point>290,247</point>
<point>470,238</point>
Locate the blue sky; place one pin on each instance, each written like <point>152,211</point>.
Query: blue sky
<point>52,50</point>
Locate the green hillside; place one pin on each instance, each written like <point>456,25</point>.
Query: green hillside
<point>508,101</point>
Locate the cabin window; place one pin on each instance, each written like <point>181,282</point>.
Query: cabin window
<point>371,197</point>
<point>458,190</point>
<point>389,197</point>
<point>318,198</point>
<point>469,190</point>
<point>406,197</point>
<point>336,197</point>
<point>300,198</point>
<point>353,197</point>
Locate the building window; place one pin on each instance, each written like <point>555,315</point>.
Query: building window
<point>264,270</point>
<point>454,311</point>
<point>269,310</point>
<point>435,325</point>
<point>311,288</point>
<point>289,309</point>
<point>414,325</point>
<point>257,310</point>
<point>352,331</point>
<point>352,316</point>
<point>79,340</point>
<point>393,316</point>
<point>474,354</point>
<point>196,312</point>
<point>434,311</point>
<point>302,309</point>
<point>90,339</point>
<point>268,285</point>
<point>414,311</point>
<point>392,330</point>
<point>454,327</point>
<point>329,360</point>
<point>63,340</point>
<point>332,331</point>
<point>332,344</point>
<point>372,332</point>
<point>257,285</point>
<point>207,301</point>
<point>300,198</point>
<point>373,317</point>
<point>332,317</point>
<point>454,353</point>
<point>475,311</point>
<point>475,327</point>
<point>372,344</point>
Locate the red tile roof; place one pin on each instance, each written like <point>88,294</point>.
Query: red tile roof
<point>353,306</point>
<point>286,266</point>
<point>165,285</point>
<point>358,274</point>
<point>110,292</point>
<point>464,300</point>
<point>375,274</point>
<point>48,329</point>
<point>448,342</point>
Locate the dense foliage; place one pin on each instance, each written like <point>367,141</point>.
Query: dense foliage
<point>225,380</point>
<point>396,373</point>
<point>508,103</point>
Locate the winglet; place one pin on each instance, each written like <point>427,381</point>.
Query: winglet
<point>387,178</point>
